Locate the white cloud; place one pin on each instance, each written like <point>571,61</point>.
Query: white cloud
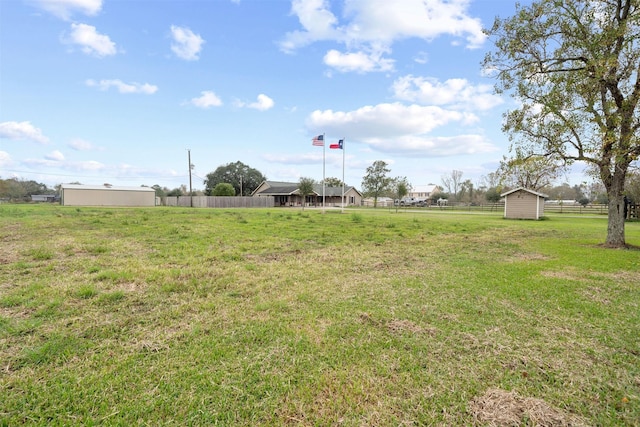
<point>318,23</point>
<point>90,165</point>
<point>358,61</point>
<point>64,9</point>
<point>90,41</point>
<point>263,103</point>
<point>93,168</point>
<point>387,120</point>
<point>81,145</point>
<point>421,58</point>
<point>5,159</point>
<point>125,170</point>
<point>40,163</point>
<point>186,45</point>
<point>402,129</point>
<point>428,146</point>
<point>22,131</point>
<point>384,21</point>
<point>312,157</point>
<point>144,88</point>
<point>458,93</point>
<point>371,27</point>
<point>207,99</point>
<point>55,156</point>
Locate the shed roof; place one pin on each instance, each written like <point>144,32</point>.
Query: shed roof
<point>104,187</point>
<point>535,193</point>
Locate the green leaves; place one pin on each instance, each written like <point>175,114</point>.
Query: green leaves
<point>572,66</point>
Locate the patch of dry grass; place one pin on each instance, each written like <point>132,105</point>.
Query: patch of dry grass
<point>500,408</point>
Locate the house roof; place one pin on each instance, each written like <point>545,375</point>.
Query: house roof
<point>104,187</point>
<point>331,191</point>
<point>535,193</point>
<point>279,188</point>
<point>429,188</point>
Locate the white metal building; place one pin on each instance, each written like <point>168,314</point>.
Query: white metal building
<point>106,195</point>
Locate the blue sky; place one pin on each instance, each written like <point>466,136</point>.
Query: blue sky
<point>117,91</point>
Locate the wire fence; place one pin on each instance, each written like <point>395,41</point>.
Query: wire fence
<point>269,202</point>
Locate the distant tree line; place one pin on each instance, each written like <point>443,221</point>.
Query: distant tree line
<point>535,175</point>
<point>20,190</point>
<point>233,179</point>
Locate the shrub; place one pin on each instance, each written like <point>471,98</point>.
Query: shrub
<point>223,189</point>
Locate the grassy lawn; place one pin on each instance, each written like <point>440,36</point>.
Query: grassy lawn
<point>174,316</point>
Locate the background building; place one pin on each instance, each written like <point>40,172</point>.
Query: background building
<point>287,194</point>
<point>106,195</point>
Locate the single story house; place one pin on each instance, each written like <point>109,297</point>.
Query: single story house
<point>287,194</point>
<point>106,195</point>
<point>522,203</point>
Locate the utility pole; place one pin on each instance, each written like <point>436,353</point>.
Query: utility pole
<point>190,167</point>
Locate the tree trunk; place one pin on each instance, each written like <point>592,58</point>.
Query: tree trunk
<point>615,226</point>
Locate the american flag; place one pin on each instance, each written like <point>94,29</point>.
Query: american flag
<point>318,141</point>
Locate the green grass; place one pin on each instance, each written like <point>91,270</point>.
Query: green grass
<point>172,316</point>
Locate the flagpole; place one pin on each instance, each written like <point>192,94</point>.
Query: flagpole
<point>343,144</point>
<point>324,150</point>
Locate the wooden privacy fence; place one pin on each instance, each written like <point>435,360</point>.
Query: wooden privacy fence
<point>219,202</point>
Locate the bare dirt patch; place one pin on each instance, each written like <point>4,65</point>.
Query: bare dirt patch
<point>526,257</point>
<point>574,274</point>
<point>506,408</point>
<point>129,287</point>
<point>9,251</point>
<point>407,326</point>
<point>596,294</point>
<point>564,275</point>
<point>622,276</point>
<point>398,326</point>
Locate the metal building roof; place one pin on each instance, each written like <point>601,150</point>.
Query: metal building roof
<point>104,187</point>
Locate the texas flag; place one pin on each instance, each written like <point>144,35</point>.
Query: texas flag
<point>337,146</point>
<point>318,141</point>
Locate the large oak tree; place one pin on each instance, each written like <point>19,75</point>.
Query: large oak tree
<point>574,67</point>
<point>243,178</point>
